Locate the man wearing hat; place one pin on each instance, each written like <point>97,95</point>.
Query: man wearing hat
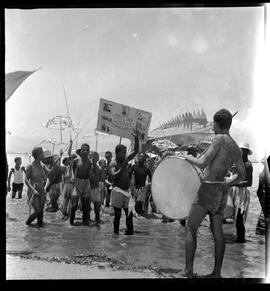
<point>241,195</point>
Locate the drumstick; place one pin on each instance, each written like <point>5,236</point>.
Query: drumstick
<point>234,114</point>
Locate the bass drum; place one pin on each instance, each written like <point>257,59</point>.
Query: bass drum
<point>175,184</point>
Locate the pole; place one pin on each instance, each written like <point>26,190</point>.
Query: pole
<point>96,141</point>
<point>67,112</point>
<point>77,138</point>
<point>61,129</point>
<point>120,140</point>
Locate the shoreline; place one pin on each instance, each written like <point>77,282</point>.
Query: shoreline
<point>25,268</point>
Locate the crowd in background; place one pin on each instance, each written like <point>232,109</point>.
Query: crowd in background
<point>54,187</point>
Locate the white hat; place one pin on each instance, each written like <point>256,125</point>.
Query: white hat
<point>245,145</point>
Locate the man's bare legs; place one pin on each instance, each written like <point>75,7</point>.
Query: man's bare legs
<point>195,218</point>
<point>217,230</point>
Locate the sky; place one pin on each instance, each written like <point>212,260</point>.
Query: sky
<point>162,60</point>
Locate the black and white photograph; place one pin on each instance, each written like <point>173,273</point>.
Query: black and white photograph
<point>183,196</point>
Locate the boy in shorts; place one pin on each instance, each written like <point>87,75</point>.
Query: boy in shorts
<point>121,184</point>
<point>18,181</point>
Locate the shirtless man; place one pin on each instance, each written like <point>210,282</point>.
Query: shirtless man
<point>141,172</point>
<point>35,180</point>
<point>213,193</point>
<point>121,184</point>
<point>82,171</point>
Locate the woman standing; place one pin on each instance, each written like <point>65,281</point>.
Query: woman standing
<point>35,180</point>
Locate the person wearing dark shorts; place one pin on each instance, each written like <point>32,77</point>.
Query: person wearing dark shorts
<point>121,185</point>
<point>212,195</point>
<point>17,188</point>
<point>18,181</point>
<point>82,168</point>
<point>141,172</point>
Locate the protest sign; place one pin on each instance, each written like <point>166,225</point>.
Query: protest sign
<point>118,119</point>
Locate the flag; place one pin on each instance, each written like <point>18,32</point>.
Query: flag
<point>14,80</point>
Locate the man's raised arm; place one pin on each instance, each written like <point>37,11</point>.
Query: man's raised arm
<point>132,155</point>
<point>70,147</point>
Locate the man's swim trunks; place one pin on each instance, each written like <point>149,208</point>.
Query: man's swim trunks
<point>213,197</point>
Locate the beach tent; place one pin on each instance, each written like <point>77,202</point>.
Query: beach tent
<point>14,79</point>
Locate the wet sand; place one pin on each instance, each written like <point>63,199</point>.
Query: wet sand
<point>18,268</point>
<point>156,250</point>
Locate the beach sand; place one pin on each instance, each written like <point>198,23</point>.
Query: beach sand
<point>22,269</point>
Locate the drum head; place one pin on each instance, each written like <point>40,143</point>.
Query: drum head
<point>175,184</point>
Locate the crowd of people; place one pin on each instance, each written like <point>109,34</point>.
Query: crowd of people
<point>86,181</point>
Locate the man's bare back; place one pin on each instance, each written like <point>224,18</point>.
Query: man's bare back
<point>212,196</point>
<point>223,153</point>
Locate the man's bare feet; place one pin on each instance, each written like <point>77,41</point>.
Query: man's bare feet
<point>213,275</point>
<point>188,274</point>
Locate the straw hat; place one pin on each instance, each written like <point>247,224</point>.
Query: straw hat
<point>245,145</point>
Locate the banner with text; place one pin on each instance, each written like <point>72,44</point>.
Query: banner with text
<point>118,119</point>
